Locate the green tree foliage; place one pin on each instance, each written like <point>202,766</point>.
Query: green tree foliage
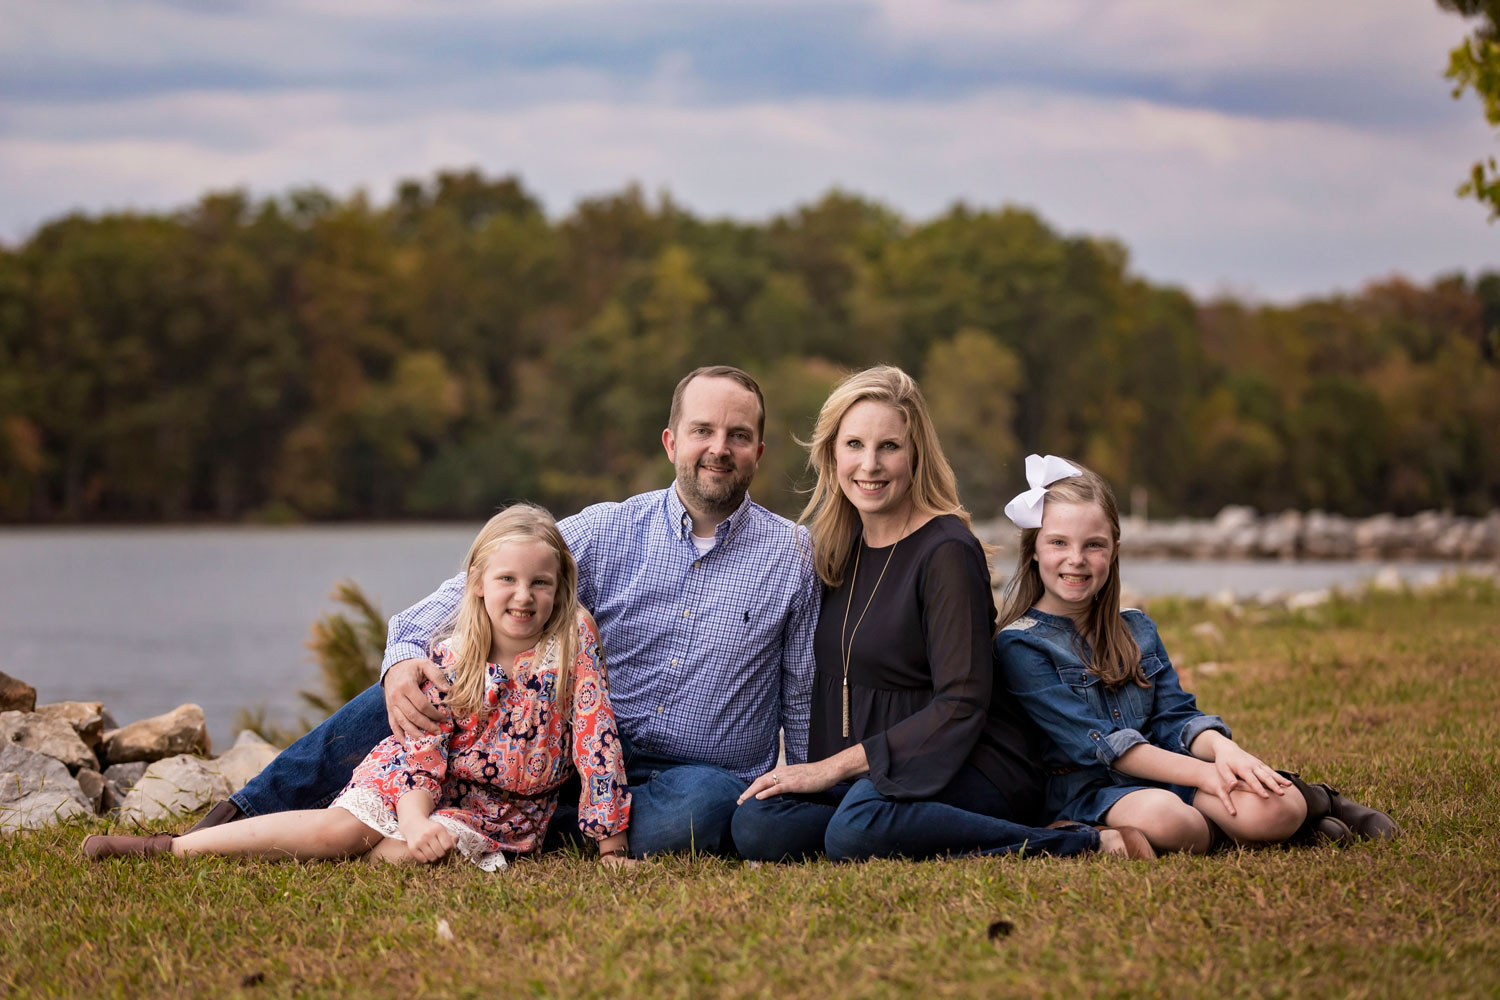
<point>311,357</point>
<point>1474,64</point>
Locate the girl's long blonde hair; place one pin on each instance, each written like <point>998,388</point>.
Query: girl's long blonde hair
<point>469,630</point>
<point>831,519</point>
<point>1113,653</point>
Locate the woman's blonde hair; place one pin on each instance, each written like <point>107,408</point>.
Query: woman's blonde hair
<point>1114,655</point>
<point>469,630</point>
<point>831,519</point>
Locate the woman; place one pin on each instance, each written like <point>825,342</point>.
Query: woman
<point>912,750</point>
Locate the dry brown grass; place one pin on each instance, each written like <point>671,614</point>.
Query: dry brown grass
<point>1391,698</point>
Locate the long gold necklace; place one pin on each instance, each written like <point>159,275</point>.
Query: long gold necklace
<point>846,643</point>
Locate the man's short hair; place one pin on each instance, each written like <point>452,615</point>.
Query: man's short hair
<point>737,375</point>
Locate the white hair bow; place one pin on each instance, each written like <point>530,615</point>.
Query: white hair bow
<point>1026,509</point>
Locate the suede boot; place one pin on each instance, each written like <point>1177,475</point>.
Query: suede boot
<point>97,848</point>
<point>1337,818</point>
<point>222,812</point>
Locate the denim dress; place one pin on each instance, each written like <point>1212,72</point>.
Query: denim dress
<point>1085,727</point>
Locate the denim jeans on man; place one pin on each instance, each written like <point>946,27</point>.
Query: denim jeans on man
<point>675,806</point>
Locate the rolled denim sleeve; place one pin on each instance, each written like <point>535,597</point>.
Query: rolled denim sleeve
<point>409,633</point>
<point>1176,720</point>
<point>797,663</point>
<point>1118,742</point>
<point>1082,736</point>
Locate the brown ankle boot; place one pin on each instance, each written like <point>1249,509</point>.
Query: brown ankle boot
<point>97,848</point>
<point>223,812</point>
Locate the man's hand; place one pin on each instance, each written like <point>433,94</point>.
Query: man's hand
<point>408,710</point>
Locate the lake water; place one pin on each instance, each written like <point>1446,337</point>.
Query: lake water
<point>144,619</point>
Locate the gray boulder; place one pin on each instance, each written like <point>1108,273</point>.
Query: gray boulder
<point>243,761</point>
<point>119,779</point>
<point>16,695</point>
<point>86,717</point>
<point>92,785</point>
<point>52,737</point>
<point>36,790</point>
<point>174,786</point>
<point>182,730</point>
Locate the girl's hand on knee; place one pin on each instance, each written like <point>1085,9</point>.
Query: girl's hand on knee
<point>1217,785</point>
<point>1235,765</point>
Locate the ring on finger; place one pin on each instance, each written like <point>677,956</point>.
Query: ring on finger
<point>775,778</point>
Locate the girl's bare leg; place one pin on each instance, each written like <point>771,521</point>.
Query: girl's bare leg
<point>1256,820</point>
<point>303,835</point>
<point>392,851</point>
<point>1167,821</point>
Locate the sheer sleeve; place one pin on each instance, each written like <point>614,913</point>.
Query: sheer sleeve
<point>918,756</point>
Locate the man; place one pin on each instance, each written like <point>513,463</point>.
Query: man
<point>706,602</point>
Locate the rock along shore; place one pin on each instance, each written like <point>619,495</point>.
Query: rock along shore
<point>1242,533</point>
<point>70,759</point>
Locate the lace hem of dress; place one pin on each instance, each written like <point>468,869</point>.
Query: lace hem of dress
<point>370,809</point>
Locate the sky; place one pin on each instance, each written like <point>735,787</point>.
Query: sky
<point>1273,150</point>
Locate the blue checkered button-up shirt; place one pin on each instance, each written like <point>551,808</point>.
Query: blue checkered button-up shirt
<point>708,656</point>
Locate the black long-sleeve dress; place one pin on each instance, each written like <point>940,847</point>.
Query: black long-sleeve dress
<point>922,693</point>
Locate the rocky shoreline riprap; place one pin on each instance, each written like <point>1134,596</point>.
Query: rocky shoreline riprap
<point>1242,533</point>
<point>70,759</point>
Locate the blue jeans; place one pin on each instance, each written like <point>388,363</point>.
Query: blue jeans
<point>675,805</point>
<point>853,822</point>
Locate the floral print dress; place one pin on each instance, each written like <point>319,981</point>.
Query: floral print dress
<point>494,775</point>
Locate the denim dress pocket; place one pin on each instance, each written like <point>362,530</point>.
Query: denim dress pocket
<point>1087,687</point>
<point>1138,703</point>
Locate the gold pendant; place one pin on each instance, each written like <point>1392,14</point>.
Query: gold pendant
<point>846,708</point>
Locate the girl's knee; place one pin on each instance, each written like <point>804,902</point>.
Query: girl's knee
<point>1268,820</point>
<point>338,828</point>
<point>1167,821</point>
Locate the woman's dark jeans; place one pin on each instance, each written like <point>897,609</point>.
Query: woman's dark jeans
<point>852,822</point>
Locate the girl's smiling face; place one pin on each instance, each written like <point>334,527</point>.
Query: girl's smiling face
<point>518,586</point>
<point>1074,550</point>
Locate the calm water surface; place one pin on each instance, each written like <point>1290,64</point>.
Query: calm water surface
<point>144,619</point>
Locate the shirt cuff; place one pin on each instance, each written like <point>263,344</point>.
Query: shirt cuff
<point>1111,746</point>
<point>397,651</point>
<point>1199,725</point>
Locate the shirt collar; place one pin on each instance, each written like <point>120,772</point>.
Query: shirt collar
<point>677,514</point>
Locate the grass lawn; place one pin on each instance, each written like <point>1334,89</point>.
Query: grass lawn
<point>1392,698</point>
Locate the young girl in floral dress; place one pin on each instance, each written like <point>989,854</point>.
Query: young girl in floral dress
<point>528,704</point>
<point>1123,743</point>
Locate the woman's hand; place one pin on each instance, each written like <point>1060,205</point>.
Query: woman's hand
<point>800,779</point>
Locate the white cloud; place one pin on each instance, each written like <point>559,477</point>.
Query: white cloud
<point>1277,207</point>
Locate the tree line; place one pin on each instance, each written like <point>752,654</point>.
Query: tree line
<point>307,357</point>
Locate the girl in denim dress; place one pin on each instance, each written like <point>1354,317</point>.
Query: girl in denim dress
<point>1123,744</point>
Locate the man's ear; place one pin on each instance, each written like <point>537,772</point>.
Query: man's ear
<point>669,442</point>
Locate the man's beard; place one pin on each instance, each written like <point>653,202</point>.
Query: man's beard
<point>720,498</point>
